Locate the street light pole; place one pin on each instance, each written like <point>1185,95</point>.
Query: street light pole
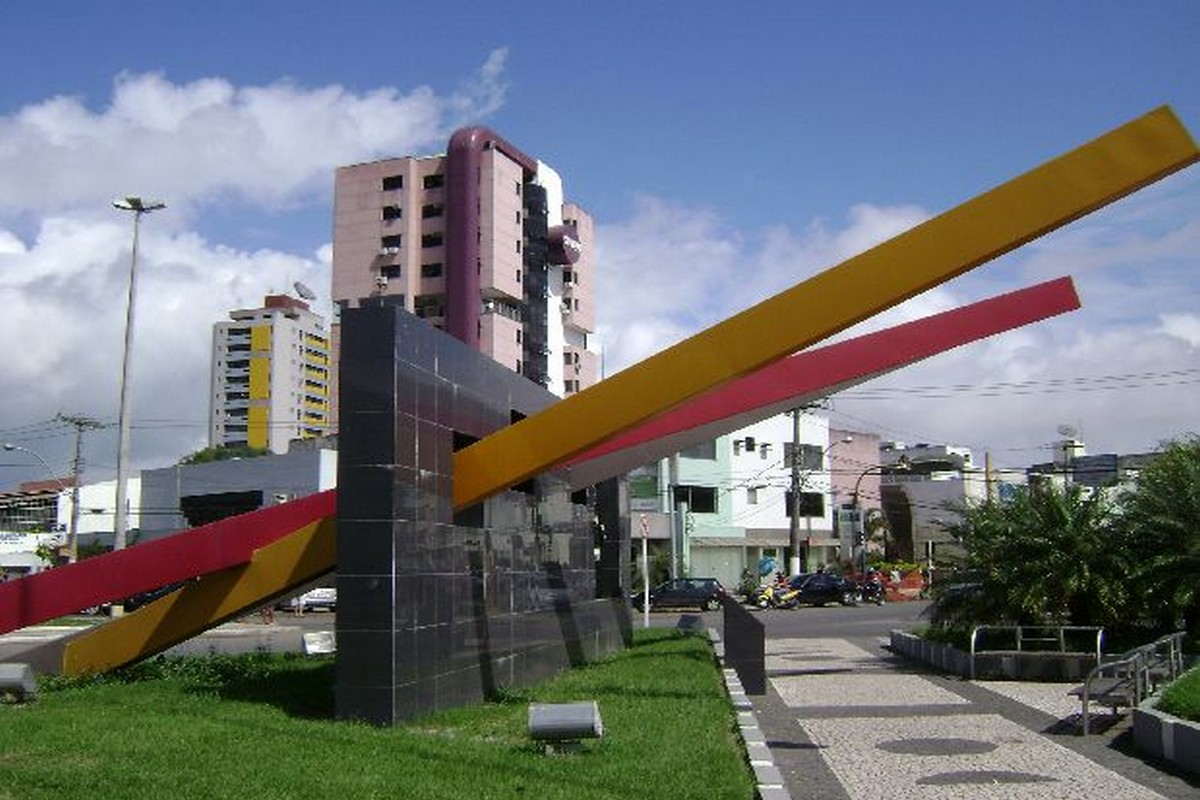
<point>860,531</point>
<point>138,207</point>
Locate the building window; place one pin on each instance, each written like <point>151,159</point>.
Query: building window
<point>518,245</point>
<point>392,212</point>
<point>810,456</point>
<point>391,183</point>
<point>700,499</point>
<point>518,217</point>
<point>431,270</point>
<point>389,245</point>
<point>518,276</point>
<point>519,335</point>
<point>518,183</point>
<point>752,495</point>
<point>432,210</point>
<point>434,181</point>
<point>812,504</point>
<point>428,305</point>
<point>390,270</point>
<point>431,240</point>
<point>703,450</point>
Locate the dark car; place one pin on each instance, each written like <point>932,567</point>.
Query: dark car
<point>705,594</point>
<point>819,588</point>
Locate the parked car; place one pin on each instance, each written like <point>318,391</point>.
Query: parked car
<point>320,599</point>
<point>820,588</point>
<point>703,593</point>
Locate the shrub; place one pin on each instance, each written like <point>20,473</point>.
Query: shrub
<point>1182,698</point>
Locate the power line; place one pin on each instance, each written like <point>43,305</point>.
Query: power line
<point>1132,380</point>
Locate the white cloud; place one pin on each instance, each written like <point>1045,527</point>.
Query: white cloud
<point>64,253</point>
<point>65,301</point>
<point>208,138</point>
<point>670,271</point>
<point>1182,326</point>
<point>1124,369</point>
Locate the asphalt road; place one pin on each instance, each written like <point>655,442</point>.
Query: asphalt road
<point>847,622</point>
<point>811,622</point>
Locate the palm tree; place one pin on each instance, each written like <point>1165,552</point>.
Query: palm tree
<point>1046,554</point>
<point>1162,517</point>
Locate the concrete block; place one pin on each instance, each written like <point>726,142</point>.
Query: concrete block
<point>17,682</point>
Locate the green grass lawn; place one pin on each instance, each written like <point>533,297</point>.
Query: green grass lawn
<point>1182,698</point>
<point>261,727</point>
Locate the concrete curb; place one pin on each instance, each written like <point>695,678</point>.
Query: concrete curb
<point>768,779</point>
<point>1168,738</point>
<point>935,654</point>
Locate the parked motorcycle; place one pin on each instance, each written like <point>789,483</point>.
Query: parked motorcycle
<point>767,595</point>
<point>872,591</point>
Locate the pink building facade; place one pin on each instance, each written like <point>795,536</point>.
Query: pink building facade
<point>479,242</point>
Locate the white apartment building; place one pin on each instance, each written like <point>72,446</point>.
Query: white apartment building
<point>270,376</point>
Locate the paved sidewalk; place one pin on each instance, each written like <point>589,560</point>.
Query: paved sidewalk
<point>843,718</point>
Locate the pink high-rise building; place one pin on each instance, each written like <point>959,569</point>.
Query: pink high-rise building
<point>479,242</point>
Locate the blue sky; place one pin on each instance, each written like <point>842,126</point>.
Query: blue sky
<point>726,151</point>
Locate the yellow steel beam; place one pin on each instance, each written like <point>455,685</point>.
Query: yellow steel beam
<point>1064,189</point>
<point>287,563</point>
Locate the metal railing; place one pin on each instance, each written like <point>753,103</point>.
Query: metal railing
<point>1037,640</point>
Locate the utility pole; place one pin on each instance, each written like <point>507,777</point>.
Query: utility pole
<point>81,424</point>
<point>796,566</point>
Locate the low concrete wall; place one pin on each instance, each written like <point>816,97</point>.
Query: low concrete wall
<point>1165,737</point>
<point>1024,666</point>
<point>943,656</point>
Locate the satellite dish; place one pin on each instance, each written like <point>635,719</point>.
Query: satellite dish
<point>304,292</point>
<point>1067,431</point>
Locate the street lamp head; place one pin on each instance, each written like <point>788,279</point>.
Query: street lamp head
<point>138,205</point>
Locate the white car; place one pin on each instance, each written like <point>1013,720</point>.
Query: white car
<point>320,599</point>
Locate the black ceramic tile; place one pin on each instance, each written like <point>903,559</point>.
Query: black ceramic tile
<point>405,444</point>
<point>365,548</point>
<point>432,441</point>
<point>371,664</point>
<point>427,395</point>
<point>365,492</point>
<point>368,437</point>
<point>370,704</point>
<point>365,603</point>
<point>473,607</point>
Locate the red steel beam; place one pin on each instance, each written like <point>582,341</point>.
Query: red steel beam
<point>807,376</point>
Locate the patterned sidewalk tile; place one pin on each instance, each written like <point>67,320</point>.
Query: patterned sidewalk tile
<point>969,755</point>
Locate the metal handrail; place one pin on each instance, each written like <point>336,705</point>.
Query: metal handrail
<point>1059,636</point>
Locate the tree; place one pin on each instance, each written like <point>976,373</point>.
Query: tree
<point>223,453</point>
<point>1161,515</point>
<point>1046,554</point>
